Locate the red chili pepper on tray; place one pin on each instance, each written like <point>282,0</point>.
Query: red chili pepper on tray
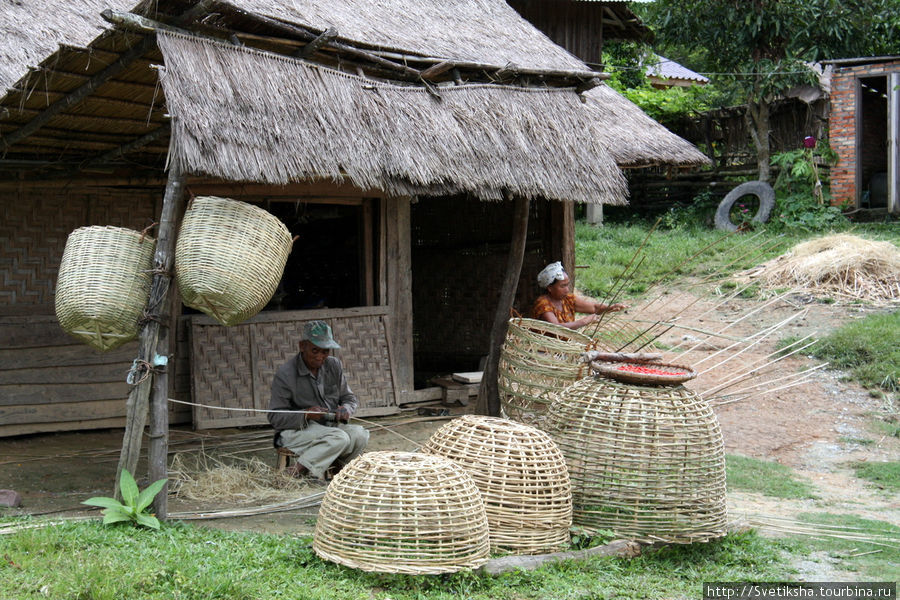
<point>647,370</point>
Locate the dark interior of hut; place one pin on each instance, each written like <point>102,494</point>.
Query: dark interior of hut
<point>873,148</point>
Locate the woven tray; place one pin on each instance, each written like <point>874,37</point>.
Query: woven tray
<point>644,373</point>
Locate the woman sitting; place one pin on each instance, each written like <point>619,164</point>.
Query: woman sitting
<point>559,305</point>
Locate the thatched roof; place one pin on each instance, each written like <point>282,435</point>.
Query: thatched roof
<point>246,115</point>
<point>486,31</point>
<point>533,135</point>
<point>634,138</point>
<point>34,29</point>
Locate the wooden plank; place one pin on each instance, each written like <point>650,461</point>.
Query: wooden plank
<point>33,335</point>
<point>288,316</point>
<point>52,393</point>
<point>367,257</point>
<point>322,192</point>
<point>62,411</point>
<point>11,430</point>
<point>102,373</point>
<point>64,356</point>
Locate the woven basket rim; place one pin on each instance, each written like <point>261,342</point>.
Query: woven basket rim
<point>612,370</point>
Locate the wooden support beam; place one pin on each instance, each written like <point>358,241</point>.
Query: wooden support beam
<point>129,147</point>
<point>435,70</point>
<point>132,22</point>
<point>139,397</point>
<point>79,94</point>
<point>488,393</point>
<point>326,37</point>
<point>402,70</point>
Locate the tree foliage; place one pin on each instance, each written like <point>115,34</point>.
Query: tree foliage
<point>761,48</point>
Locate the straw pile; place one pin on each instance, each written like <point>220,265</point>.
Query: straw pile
<point>401,512</point>
<point>842,266</point>
<point>522,476</point>
<point>103,285</point>
<point>205,479</point>
<point>646,462</point>
<point>229,258</point>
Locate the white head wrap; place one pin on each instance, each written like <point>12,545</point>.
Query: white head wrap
<point>552,272</point>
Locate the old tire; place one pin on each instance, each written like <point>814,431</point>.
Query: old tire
<point>762,190</point>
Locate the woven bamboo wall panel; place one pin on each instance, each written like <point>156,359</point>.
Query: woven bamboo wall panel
<point>222,375</point>
<point>233,367</point>
<point>35,226</point>
<point>274,344</point>
<point>367,361</point>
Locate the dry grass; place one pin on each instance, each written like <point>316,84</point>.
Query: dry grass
<point>842,266</point>
<point>203,478</point>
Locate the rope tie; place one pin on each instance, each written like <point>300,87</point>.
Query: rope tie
<point>141,370</point>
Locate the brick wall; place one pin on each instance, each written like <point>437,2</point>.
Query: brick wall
<point>843,126</point>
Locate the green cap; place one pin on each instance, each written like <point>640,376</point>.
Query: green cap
<point>319,333</point>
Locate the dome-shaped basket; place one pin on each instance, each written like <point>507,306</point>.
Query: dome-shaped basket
<point>646,462</point>
<point>229,258</point>
<point>536,360</point>
<point>522,476</point>
<point>103,285</point>
<point>402,512</point>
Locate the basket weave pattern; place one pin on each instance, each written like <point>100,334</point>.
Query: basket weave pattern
<point>522,476</point>
<point>229,258</point>
<point>402,512</point>
<point>537,359</point>
<point>103,285</point>
<point>646,462</point>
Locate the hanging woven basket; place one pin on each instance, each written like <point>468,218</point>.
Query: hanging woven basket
<point>538,359</point>
<point>103,285</point>
<point>229,258</point>
<point>522,476</point>
<point>401,512</point>
<point>646,462</point>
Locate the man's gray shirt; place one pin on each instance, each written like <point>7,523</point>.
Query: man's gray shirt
<point>295,388</point>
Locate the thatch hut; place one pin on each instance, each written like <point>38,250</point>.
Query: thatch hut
<point>393,138</point>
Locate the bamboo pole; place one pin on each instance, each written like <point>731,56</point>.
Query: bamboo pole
<point>488,394</point>
<point>138,398</point>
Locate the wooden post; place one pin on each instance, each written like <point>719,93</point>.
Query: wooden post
<point>488,394</point>
<point>399,289</point>
<point>138,398</point>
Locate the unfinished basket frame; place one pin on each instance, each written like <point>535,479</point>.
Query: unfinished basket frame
<point>537,359</point>
<point>403,512</point>
<point>522,476</point>
<point>229,258</point>
<point>104,284</point>
<point>646,462</point>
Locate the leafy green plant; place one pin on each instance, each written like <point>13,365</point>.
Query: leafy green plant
<point>802,197</point>
<point>134,502</point>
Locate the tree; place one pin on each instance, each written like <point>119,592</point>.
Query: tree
<point>761,48</point>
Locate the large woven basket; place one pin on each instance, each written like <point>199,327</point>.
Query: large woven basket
<point>229,258</point>
<point>522,476</point>
<point>646,462</point>
<point>536,360</point>
<point>402,512</point>
<point>103,285</point>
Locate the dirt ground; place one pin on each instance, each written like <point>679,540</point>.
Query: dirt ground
<point>818,429</point>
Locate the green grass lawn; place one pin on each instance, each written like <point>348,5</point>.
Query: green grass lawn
<point>84,560</point>
<point>866,547</point>
<point>765,477</point>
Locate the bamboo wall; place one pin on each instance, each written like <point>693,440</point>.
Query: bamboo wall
<point>48,380</point>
